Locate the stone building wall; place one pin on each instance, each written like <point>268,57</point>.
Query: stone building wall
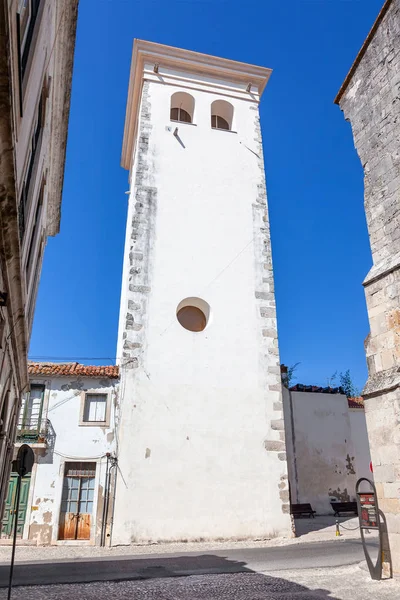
<point>370,100</point>
<point>35,86</point>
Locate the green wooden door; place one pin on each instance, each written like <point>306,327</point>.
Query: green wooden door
<point>9,511</point>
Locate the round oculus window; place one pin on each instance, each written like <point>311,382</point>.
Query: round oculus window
<point>193,314</point>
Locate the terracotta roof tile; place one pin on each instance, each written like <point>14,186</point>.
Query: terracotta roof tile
<point>299,387</point>
<point>356,402</point>
<point>352,402</point>
<point>76,369</point>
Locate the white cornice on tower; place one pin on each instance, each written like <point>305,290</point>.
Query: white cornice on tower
<point>184,68</point>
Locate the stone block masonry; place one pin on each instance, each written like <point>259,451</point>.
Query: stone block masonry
<point>140,244</point>
<point>370,100</point>
<point>266,301</point>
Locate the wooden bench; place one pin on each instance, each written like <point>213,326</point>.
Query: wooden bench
<point>344,507</point>
<point>297,510</point>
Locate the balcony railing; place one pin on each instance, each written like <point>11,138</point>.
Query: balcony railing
<point>33,430</point>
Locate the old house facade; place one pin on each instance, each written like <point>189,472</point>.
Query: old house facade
<point>37,39</point>
<point>370,100</point>
<point>201,437</point>
<point>69,419</point>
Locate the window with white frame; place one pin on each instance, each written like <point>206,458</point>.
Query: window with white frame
<point>27,12</point>
<point>182,107</point>
<point>2,328</point>
<point>95,408</point>
<point>221,115</point>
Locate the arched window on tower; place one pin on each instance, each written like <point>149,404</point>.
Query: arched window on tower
<point>221,115</point>
<point>182,107</point>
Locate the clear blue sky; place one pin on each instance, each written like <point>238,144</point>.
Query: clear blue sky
<point>315,189</point>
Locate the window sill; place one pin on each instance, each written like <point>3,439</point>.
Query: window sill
<point>183,123</point>
<point>224,130</point>
<point>94,424</point>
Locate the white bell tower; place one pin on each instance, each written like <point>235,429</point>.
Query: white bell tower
<point>201,434</point>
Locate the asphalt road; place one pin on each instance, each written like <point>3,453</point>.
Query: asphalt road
<point>334,553</point>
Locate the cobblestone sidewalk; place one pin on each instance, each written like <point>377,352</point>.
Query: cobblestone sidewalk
<point>346,583</point>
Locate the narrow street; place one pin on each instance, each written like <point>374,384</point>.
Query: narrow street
<point>308,571</point>
<point>317,571</point>
<point>247,560</point>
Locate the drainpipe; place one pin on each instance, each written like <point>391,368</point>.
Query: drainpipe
<point>105,496</point>
<point>114,466</point>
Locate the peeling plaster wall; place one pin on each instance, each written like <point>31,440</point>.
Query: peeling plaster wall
<point>371,102</point>
<point>68,441</point>
<point>327,447</point>
<point>202,450</point>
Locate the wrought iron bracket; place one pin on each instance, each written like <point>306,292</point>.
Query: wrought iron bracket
<point>369,517</point>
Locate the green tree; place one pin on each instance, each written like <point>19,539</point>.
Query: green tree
<point>288,378</point>
<point>346,383</point>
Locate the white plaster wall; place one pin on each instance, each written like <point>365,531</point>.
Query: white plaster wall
<point>360,439</point>
<point>196,416</point>
<point>71,442</point>
<point>321,455</point>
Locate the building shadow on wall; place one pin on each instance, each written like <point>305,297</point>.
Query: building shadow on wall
<point>228,575</point>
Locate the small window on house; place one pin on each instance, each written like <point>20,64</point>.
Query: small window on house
<point>29,180</point>
<point>182,107</point>
<point>4,411</point>
<point>34,286</point>
<point>95,408</point>
<point>2,327</point>
<point>30,417</point>
<point>26,18</point>
<point>221,115</point>
<point>34,244</point>
<point>25,15</point>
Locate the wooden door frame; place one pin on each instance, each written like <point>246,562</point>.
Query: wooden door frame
<point>58,497</point>
<point>25,534</point>
<point>25,528</point>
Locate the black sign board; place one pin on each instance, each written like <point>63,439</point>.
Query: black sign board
<point>367,510</point>
<point>25,460</point>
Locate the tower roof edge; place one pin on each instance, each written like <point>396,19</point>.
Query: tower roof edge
<point>188,61</point>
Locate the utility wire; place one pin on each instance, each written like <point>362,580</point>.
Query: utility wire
<point>114,358</point>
